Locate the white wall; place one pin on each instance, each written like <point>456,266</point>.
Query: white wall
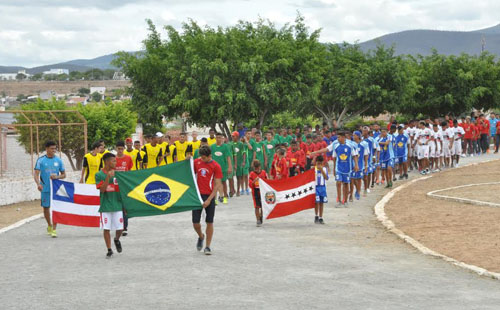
<point>24,189</point>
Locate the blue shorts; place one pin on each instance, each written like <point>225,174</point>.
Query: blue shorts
<point>321,196</point>
<point>343,177</point>
<point>45,200</point>
<point>358,175</point>
<point>385,164</point>
<point>402,159</point>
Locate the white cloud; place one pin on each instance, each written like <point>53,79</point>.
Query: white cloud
<point>36,32</point>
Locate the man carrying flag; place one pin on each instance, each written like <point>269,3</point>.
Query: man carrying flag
<point>208,173</point>
<point>110,203</point>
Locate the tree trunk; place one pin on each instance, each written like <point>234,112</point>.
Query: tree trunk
<point>262,119</point>
<point>341,117</point>
<point>79,163</point>
<point>228,131</point>
<point>70,160</point>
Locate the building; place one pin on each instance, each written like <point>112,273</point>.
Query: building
<point>100,90</point>
<point>119,76</point>
<point>47,95</point>
<point>56,71</point>
<point>77,100</point>
<point>12,76</point>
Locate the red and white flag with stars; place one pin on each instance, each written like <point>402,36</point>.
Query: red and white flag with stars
<point>284,197</point>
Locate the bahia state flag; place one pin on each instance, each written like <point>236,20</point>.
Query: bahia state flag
<point>284,197</point>
<point>74,204</point>
<point>160,190</point>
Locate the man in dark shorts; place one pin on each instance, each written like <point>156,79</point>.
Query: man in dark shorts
<point>206,170</point>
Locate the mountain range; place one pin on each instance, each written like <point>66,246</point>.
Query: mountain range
<point>410,42</point>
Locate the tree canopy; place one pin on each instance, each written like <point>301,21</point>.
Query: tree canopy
<point>253,70</point>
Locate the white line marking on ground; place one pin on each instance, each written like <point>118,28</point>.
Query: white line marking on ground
<point>21,222</point>
<point>464,200</point>
<point>382,217</point>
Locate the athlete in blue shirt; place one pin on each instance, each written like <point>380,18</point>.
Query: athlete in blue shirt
<point>363,151</point>
<point>401,151</point>
<point>48,167</point>
<point>371,158</point>
<point>321,197</point>
<point>344,161</point>
<point>386,156</point>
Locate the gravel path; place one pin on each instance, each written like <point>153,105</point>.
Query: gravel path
<point>289,263</point>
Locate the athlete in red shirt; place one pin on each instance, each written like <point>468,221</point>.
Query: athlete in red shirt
<point>296,159</point>
<point>255,176</point>
<point>209,179</point>
<point>123,163</point>
<point>279,169</point>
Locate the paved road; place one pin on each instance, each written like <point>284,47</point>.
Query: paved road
<point>289,263</point>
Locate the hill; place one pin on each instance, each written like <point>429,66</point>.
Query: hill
<point>422,42</point>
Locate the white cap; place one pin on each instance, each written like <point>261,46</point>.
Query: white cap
<point>159,134</point>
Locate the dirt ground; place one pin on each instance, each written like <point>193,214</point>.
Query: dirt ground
<point>468,233</point>
<point>486,193</point>
<point>15,88</point>
<point>12,213</point>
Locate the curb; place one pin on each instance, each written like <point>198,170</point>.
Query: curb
<point>464,200</point>
<point>389,225</point>
<point>20,223</point>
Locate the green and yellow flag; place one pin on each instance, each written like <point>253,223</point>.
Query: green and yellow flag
<point>161,190</point>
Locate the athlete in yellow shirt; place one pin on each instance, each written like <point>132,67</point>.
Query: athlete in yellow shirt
<point>135,154</point>
<point>184,149</point>
<point>170,154</point>
<point>152,152</point>
<point>195,143</point>
<point>92,163</point>
<point>211,139</point>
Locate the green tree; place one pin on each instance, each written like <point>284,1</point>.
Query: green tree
<point>36,77</point>
<point>21,76</point>
<point>96,97</point>
<point>453,85</point>
<point>356,83</point>
<point>83,91</point>
<point>249,71</point>
<point>110,122</point>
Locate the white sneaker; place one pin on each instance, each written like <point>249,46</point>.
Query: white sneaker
<point>471,155</point>
<point>456,165</point>
<point>367,190</point>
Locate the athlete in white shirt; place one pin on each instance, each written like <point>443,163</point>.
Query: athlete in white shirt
<point>448,137</point>
<point>423,138</point>
<point>456,151</point>
<point>436,147</point>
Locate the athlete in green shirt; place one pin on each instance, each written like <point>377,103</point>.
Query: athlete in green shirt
<point>259,151</point>
<point>269,145</point>
<point>221,153</point>
<point>111,207</point>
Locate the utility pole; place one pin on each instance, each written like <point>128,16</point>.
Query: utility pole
<point>483,44</point>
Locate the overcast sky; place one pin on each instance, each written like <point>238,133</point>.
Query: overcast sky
<point>39,32</point>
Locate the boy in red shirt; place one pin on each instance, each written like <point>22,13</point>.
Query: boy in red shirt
<point>209,179</point>
<point>255,176</point>
<point>296,159</point>
<point>310,147</point>
<point>279,170</point>
<point>123,163</point>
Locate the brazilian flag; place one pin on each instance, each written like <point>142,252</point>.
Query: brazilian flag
<point>161,190</point>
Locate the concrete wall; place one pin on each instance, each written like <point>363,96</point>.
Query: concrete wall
<point>24,189</point>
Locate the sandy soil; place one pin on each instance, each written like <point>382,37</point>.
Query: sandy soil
<point>16,212</point>
<point>468,233</point>
<point>487,193</point>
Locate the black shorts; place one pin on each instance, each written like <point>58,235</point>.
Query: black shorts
<point>256,195</point>
<point>309,163</point>
<point>209,211</point>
